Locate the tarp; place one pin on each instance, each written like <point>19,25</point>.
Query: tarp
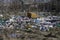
<point>58,25</point>
<point>2,21</point>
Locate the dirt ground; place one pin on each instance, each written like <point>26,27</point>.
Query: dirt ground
<point>53,34</point>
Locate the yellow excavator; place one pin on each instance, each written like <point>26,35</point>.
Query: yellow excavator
<point>32,15</point>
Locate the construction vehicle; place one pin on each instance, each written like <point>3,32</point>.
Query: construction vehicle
<point>32,15</point>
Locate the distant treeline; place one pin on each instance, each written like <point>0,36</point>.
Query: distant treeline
<point>18,5</point>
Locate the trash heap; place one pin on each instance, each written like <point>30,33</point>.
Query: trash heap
<point>21,26</point>
<point>30,21</point>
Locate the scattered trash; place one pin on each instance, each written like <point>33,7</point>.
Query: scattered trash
<point>13,35</point>
<point>15,25</point>
<point>50,35</point>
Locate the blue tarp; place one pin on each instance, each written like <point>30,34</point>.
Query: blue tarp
<point>37,21</point>
<point>2,21</point>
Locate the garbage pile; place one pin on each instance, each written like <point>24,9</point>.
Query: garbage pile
<point>13,26</point>
<point>29,21</point>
